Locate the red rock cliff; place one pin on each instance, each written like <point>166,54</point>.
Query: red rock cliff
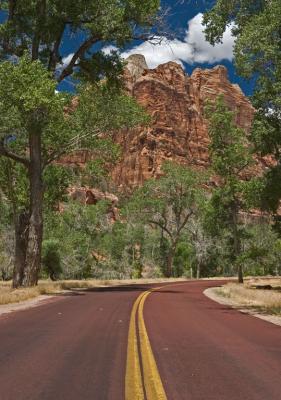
<point>178,131</point>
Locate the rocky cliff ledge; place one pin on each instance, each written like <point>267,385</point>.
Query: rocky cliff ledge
<point>178,131</point>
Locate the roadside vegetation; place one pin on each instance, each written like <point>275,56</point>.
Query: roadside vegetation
<point>260,295</point>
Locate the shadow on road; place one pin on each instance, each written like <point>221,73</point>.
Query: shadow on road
<point>130,289</point>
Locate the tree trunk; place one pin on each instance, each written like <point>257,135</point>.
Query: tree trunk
<point>198,274</point>
<point>240,274</point>
<point>170,260</point>
<point>21,241</point>
<point>35,236</point>
<point>237,244</point>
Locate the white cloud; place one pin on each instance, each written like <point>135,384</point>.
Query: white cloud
<point>161,52</point>
<point>66,60</point>
<point>203,51</point>
<point>193,49</point>
<point>108,49</point>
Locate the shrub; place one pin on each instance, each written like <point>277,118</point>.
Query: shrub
<point>51,258</point>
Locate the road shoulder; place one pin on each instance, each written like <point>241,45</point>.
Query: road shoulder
<point>23,305</point>
<point>212,294</point>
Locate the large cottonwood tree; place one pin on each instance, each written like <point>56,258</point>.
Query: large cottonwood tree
<point>34,129</point>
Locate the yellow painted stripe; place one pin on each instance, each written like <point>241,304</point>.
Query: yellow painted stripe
<point>152,380</point>
<point>133,381</point>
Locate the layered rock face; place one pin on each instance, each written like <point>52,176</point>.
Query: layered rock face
<point>178,130</point>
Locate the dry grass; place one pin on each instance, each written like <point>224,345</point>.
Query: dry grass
<point>274,282</point>
<point>9,295</point>
<point>268,301</point>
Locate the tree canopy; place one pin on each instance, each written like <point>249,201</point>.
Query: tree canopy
<point>41,26</point>
<point>257,56</point>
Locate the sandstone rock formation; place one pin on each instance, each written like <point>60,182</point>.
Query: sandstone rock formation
<point>90,196</point>
<point>86,195</point>
<point>178,130</point>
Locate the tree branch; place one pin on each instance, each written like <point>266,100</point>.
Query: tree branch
<point>13,156</point>
<point>41,10</point>
<point>54,54</point>
<point>12,7</point>
<point>79,53</point>
<point>161,226</point>
<point>185,221</point>
<point>70,147</point>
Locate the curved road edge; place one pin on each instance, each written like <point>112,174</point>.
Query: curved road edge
<point>211,294</point>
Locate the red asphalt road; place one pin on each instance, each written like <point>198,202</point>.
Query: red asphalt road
<point>75,347</point>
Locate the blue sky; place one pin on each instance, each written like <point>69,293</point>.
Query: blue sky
<point>188,45</point>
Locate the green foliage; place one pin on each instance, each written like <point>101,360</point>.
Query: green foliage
<point>229,149</point>
<point>177,191</point>
<point>257,56</point>
<point>28,102</point>
<point>184,256</point>
<point>14,185</point>
<point>32,105</point>
<point>6,247</point>
<point>51,258</point>
<point>261,255</point>
<point>167,204</point>
<point>78,230</point>
<point>231,155</point>
<point>56,180</point>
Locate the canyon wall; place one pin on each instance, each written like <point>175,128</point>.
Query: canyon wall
<point>178,130</point>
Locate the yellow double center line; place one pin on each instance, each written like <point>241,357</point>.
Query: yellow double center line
<point>142,379</point>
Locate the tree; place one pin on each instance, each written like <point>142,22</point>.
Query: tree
<point>230,154</point>
<point>14,187</point>
<point>33,113</point>
<point>168,203</point>
<point>36,130</point>
<point>257,55</point>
